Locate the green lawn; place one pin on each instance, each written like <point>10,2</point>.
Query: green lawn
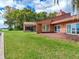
<point>27,45</point>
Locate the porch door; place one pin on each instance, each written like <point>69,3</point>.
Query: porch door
<point>57,28</point>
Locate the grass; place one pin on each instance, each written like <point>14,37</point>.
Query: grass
<point>27,45</point>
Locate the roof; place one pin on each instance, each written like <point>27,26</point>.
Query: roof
<point>59,19</point>
<point>62,17</point>
<point>61,13</point>
<point>72,18</point>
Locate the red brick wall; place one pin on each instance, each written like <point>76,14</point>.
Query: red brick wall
<point>39,28</point>
<point>51,27</point>
<point>63,26</point>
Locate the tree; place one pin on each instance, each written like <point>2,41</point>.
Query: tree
<point>9,9</point>
<point>52,15</point>
<point>10,21</point>
<point>56,2</point>
<point>9,17</point>
<point>16,18</point>
<point>41,16</point>
<point>75,4</point>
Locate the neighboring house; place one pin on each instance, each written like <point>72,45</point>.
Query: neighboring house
<point>62,23</point>
<point>29,26</point>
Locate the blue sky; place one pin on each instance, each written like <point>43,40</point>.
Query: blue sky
<point>35,5</point>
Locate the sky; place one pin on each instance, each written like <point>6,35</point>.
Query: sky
<point>36,5</point>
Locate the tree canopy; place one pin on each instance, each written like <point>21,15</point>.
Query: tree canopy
<point>15,18</point>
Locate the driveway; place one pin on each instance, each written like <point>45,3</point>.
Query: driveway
<point>1,46</point>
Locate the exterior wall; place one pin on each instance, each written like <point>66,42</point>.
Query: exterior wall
<point>39,28</point>
<point>40,24</point>
<point>61,20</point>
<point>64,26</point>
<point>51,28</point>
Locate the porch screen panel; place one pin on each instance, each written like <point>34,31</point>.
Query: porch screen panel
<point>69,28</point>
<point>73,28</point>
<point>77,26</point>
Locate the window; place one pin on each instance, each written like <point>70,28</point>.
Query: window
<point>73,28</point>
<point>57,28</point>
<point>46,28</point>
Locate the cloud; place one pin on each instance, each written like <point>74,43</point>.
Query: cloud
<point>1,22</point>
<point>49,6</point>
<point>19,6</point>
<point>37,4</point>
<point>4,3</point>
<point>11,3</point>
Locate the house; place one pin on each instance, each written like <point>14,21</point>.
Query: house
<point>29,26</point>
<point>62,23</point>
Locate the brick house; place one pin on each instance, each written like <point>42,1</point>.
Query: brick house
<point>62,23</point>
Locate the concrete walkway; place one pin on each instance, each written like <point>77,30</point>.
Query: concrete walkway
<point>1,46</point>
<point>61,36</point>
